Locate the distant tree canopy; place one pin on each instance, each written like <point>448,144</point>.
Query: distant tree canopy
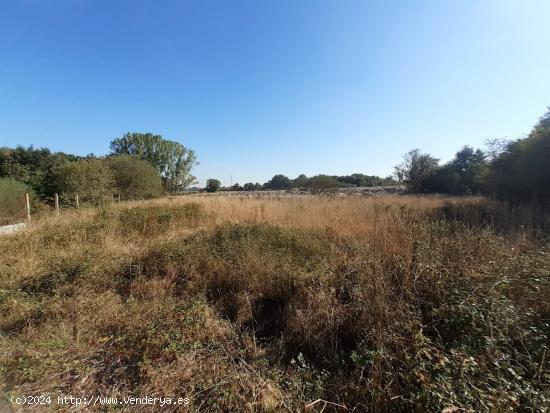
<point>300,181</point>
<point>134,178</point>
<point>321,183</point>
<point>365,180</point>
<point>279,182</point>
<point>213,185</point>
<point>249,186</point>
<point>172,160</point>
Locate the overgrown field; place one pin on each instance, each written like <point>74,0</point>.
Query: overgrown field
<point>394,304</point>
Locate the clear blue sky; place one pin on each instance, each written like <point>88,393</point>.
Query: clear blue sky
<point>260,87</point>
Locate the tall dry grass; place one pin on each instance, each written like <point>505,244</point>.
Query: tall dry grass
<point>381,304</point>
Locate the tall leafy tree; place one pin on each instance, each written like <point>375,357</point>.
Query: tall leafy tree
<point>469,165</point>
<point>172,160</point>
<point>415,170</point>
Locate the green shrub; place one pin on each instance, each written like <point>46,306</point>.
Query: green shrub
<point>12,201</point>
<point>90,178</point>
<point>134,177</point>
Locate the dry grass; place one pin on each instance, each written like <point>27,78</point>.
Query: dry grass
<point>393,304</point>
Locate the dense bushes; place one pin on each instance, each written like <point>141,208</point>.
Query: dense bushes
<point>12,201</point>
<point>134,178</point>
<point>91,179</point>
<point>521,173</point>
<point>34,167</point>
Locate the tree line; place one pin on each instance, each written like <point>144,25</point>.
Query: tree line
<point>314,183</point>
<point>144,165</point>
<point>140,165</point>
<point>516,171</point>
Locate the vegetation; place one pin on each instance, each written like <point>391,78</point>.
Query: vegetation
<point>515,171</point>
<point>12,200</point>
<point>92,179</point>
<point>249,186</point>
<point>394,304</point>
<point>33,167</point>
<point>142,166</point>
<point>415,170</point>
<point>278,182</point>
<point>391,304</point>
<point>172,160</point>
<point>213,185</point>
<point>134,178</point>
<point>322,182</point>
<point>521,172</point>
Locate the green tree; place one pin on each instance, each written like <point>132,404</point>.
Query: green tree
<point>300,181</point>
<point>134,178</point>
<point>172,160</point>
<point>33,167</point>
<point>470,166</point>
<point>279,182</point>
<point>320,183</point>
<point>520,173</point>
<point>415,170</point>
<point>213,185</point>
<point>249,186</point>
<point>91,178</point>
<point>463,175</point>
<point>236,187</point>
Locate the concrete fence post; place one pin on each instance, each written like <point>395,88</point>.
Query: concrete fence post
<point>56,204</point>
<point>28,206</point>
